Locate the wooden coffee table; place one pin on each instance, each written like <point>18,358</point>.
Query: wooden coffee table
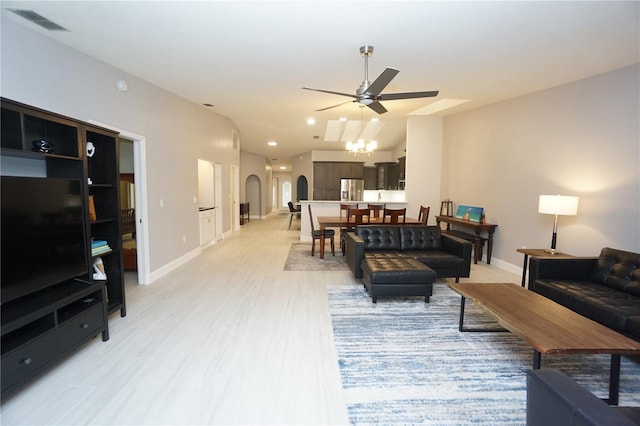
<point>548,327</point>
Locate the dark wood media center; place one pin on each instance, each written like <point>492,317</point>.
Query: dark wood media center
<point>42,326</point>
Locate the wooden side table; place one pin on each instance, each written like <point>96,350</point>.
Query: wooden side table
<point>537,253</point>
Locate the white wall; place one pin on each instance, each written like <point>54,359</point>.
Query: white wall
<point>301,165</point>
<point>368,160</point>
<point>257,165</point>
<point>578,139</point>
<point>423,165</point>
<point>280,178</point>
<point>40,72</point>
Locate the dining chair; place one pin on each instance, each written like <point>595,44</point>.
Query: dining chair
<point>344,212</point>
<point>293,211</point>
<point>355,217</point>
<point>396,216</point>
<point>423,216</point>
<point>317,234</point>
<point>376,209</point>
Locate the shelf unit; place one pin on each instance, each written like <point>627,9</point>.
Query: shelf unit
<point>103,185</point>
<point>40,328</point>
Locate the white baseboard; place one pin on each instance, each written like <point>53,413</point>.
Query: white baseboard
<point>509,267</point>
<point>165,269</point>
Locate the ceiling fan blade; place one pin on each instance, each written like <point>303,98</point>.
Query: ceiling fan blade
<point>408,95</point>
<point>334,106</point>
<point>330,91</point>
<point>377,107</point>
<point>381,82</point>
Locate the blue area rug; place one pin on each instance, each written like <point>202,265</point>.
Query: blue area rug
<point>403,361</point>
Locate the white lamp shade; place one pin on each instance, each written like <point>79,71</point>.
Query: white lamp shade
<point>558,204</point>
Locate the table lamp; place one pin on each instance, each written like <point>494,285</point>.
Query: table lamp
<point>557,205</point>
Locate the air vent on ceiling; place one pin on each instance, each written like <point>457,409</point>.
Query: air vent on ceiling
<point>37,19</point>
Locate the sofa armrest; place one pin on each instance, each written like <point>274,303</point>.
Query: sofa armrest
<point>354,252</point>
<point>566,268</point>
<point>553,398</point>
<point>458,247</point>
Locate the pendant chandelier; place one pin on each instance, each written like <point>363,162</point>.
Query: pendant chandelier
<point>361,146</point>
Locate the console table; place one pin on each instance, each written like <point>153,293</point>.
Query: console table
<point>244,210</point>
<point>476,238</point>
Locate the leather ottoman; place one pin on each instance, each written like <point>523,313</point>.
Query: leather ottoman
<point>401,276</point>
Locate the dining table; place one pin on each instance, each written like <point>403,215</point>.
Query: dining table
<point>341,221</point>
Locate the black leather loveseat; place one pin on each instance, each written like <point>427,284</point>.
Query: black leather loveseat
<point>605,289</point>
<point>554,399</point>
<point>446,255</point>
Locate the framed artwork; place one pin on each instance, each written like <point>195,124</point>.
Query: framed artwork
<point>473,214</point>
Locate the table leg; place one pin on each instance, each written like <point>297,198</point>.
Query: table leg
<point>476,250</point>
<point>524,269</point>
<point>461,323</point>
<point>537,359</point>
<point>322,241</point>
<point>614,380</point>
<point>489,247</point>
<point>462,328</point>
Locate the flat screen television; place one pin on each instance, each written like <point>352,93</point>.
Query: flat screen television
<point>43,234</point>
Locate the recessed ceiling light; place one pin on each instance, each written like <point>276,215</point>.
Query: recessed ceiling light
<point>272,143</point>
<point>311,121</point>
<point>283,167</point>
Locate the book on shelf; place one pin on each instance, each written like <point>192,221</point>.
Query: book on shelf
<point>99,247</point>
<point>98,243</point>
<point>98,253</point>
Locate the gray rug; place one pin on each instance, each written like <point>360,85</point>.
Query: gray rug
<point>403,361</point>
<point>299,259</point>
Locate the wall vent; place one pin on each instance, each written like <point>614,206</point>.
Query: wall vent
<point>37,19</point>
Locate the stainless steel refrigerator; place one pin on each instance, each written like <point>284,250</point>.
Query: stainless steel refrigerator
<point>351,189</point>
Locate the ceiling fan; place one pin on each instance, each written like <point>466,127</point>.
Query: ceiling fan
<point>368,93</point>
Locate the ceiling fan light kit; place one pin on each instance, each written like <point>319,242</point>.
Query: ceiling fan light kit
<point>369,94</point>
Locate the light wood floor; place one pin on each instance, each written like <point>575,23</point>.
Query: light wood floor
<point>229,338</point>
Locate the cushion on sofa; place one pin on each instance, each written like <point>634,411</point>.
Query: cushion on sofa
<point>437,259</point>
<point>618,269</point>
<point>420,238</point>
<point>379,237</point>
<point>603,304</point>
<point>383,254</point>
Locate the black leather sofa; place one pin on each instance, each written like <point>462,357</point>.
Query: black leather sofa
<point>605,289</point>
<point>554,399</point>
<point>448,256</point>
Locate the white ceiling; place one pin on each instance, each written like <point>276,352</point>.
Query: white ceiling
<point>251,59</point>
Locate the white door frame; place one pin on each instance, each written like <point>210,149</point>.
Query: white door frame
<point>217,196</point>
<point>235,196</point>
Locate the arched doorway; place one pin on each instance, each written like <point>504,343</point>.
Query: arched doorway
<point>252,194</point>
<point>302,188</point>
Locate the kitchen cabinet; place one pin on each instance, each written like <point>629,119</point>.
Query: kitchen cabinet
<point>207,226</point>
<point>327,175</point>
<point>370,178</point>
